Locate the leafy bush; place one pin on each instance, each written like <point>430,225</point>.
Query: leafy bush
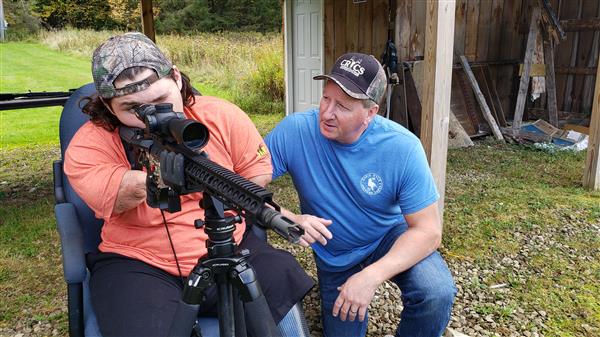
<point>21,24</point>
<point>57,14</point>
<point>268,77</point>
<point>191,16</point>
<point>263,89</point>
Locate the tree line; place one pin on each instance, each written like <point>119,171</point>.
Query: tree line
<point>171,16</point>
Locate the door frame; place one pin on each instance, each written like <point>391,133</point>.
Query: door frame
<point>288,51</point>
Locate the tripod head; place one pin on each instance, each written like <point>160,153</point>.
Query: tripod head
<point>169,148</point>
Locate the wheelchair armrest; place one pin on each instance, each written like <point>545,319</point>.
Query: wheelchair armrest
<point>71,240</point>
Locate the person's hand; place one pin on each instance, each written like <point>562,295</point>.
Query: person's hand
<point>355,296</point>
<point>315,229</point>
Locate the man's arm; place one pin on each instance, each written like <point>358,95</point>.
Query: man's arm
<point>423,237</point>
<point>315,228</point>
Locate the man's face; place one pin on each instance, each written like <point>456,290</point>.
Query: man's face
<point>342,118</point>
<point>165,90</point>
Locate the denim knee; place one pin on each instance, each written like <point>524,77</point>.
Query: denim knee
<point>432,295</point>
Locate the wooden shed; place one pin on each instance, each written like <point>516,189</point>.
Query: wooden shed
<point>492,34</point>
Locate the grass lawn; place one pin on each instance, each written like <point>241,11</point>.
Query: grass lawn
<point>514,215</point>
<point>33,67</point>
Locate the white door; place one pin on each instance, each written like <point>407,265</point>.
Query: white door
<point>307,53</point>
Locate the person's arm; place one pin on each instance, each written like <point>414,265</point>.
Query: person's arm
<point>423,237</point>
<point>315,228</point>
<point>261,180</point>
<point>132,191</point>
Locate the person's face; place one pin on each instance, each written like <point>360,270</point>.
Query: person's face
<point>165,90</point>
<point>343,118</point>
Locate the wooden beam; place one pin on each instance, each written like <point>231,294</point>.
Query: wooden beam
<point>578,25</point>
<point>148,20</point>
<point>575,70</point>
<point>554,28</point>
<point>550,79</point>
<point>524,84</point>
<point>437,84</point>
<point>402,31</point>
<point>591,175</point>
<point>487,114</point>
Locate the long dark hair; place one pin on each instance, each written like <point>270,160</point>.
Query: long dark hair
<point>101,116</point>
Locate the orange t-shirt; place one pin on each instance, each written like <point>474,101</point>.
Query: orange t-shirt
<point>95,163</point>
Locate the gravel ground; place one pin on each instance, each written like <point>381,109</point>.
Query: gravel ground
<point>472,293</point>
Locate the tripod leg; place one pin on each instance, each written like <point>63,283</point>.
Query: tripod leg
<point>293,324</point>
<point>240,320</point>
<point>184,320</point>
<point>225,307</point>
<point>259,320</point>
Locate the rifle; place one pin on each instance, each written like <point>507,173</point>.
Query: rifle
<point>169,148</point>
<point>30,99</point>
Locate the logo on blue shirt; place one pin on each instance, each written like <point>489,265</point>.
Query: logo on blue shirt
<point>371,183</point>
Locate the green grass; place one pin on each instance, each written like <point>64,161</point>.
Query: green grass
<point>502,198</point>
<point>30,273</point>
<point>33,67</point>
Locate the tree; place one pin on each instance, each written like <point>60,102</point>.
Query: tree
<point>188,16</point>
<point>17,14</point>
<point>126,13</point>
<point>94,14</point>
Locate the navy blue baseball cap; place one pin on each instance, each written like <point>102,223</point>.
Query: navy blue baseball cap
<point>360,76</point>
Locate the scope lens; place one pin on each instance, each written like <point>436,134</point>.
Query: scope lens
<point>188,132</point>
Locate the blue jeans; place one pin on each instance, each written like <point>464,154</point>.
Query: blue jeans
<point>427,295</point>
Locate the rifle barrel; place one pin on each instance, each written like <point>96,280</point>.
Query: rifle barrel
<point>32,103</point>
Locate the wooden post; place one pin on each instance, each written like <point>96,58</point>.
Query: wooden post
<point>550,79</point>
<point>524,84</point>
<point>591,175</point>
<point>487,114</point>
<point>437,84</point>
<point>148,20</point>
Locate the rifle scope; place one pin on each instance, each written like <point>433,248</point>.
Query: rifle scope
<point>162,120</point>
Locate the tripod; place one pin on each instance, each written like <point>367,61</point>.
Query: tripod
<point>169,149</point>
<point>239,293</point>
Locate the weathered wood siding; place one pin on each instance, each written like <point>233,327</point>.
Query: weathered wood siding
<point>485,30</point>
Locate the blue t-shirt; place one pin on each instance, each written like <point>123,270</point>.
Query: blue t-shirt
<point>363,187</point>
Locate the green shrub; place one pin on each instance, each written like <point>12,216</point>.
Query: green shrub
<point>20,34</point>
<point>268,78</point>
<point>22,25</point>
<point>263,89</point>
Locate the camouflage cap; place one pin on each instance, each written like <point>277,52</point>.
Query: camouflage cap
<point>360,76</point>
<point>122,52</point>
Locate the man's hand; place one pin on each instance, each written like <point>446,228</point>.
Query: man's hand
<point>355,296</point>
<point>315,229</point>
